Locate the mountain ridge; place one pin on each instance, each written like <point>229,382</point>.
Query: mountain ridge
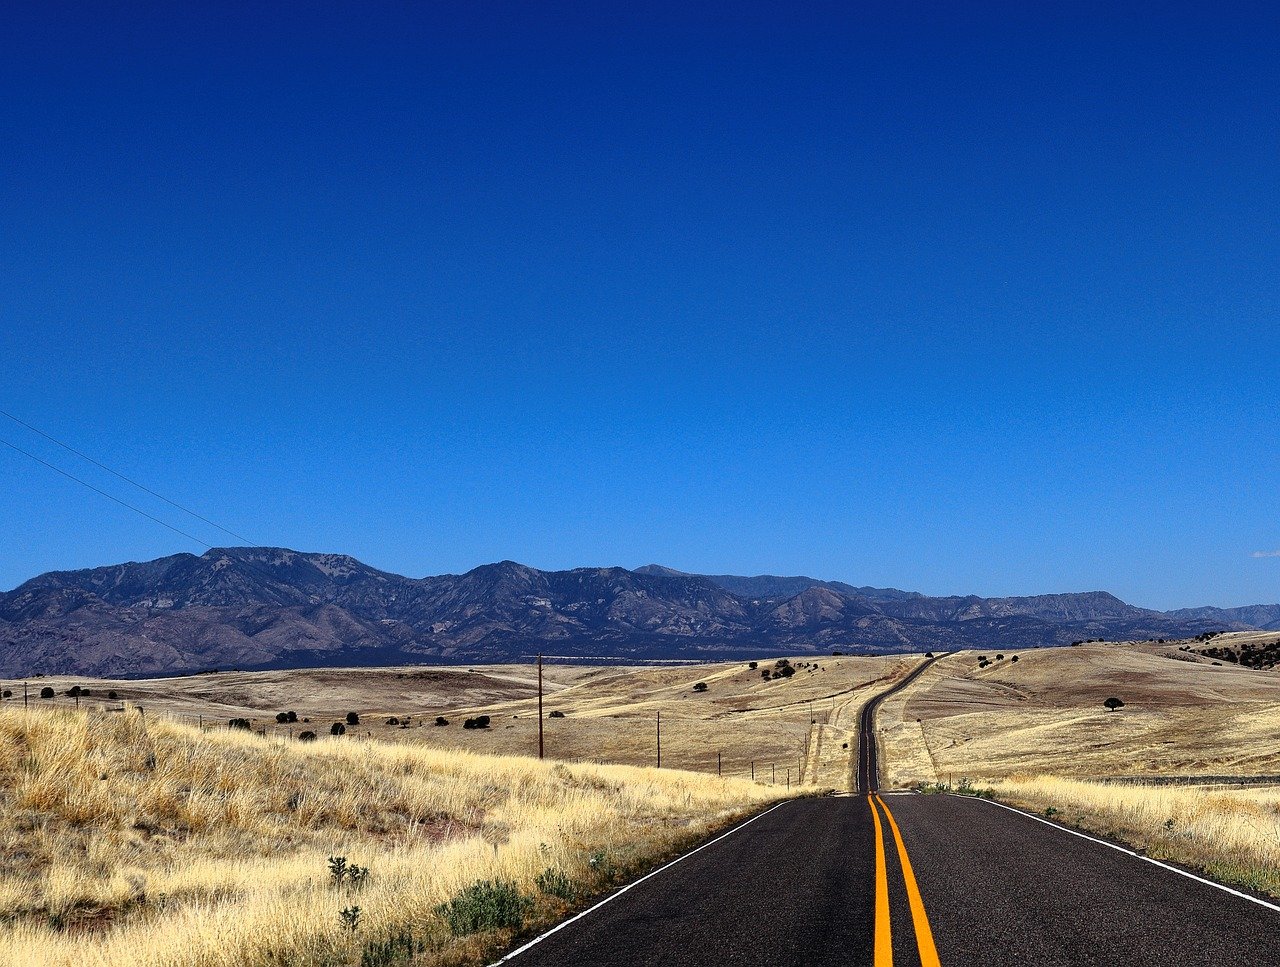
<point>254,607</point>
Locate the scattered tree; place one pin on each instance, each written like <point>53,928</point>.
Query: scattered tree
<point>353,718</point>
<point>7,693</point>
<point>1113,703</point>
<point>700,687</point>
<point>337,728</point>
<point>307,736</point>
<point>242,724</point>
<point>753,665</point>
<point>282,717</point>
<point>557,714</point>
<point>441,720</point>
<point>393,721</point>
<point>1014,658</point>
<point>46,692</point>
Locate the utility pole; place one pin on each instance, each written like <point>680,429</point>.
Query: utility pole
<point>753,770</point>
<point>718,762</point>
<point>659,738</point>
<point>24,695</point>
<point>788,778</point>
<point>775,773</point>
<point>539,705</point>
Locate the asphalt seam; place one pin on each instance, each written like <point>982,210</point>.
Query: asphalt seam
<point>630,886</point>
<point>1136,855</point>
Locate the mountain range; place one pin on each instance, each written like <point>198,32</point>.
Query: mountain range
<point>255,607</point>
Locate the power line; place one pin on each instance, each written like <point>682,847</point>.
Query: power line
<point>103,493</point>
<point>134,483</point>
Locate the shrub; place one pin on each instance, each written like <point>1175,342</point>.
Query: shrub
<point>487,905</point>
<point>7,693</point>
<point>291,716</point>
<point>353,718</point>
<point>555,883</point>
<point>700,687</point>
<point>349,917</point>
<point>1113,703</point>
<point>282,717</point>
<point>72,692</point>
<point>393,721</point>
<point>1014,658</point>
<point>112,695</point>
<point>337,728</point>
<point>753,665</point>
<point>786,671</point>
<point>764,673</point>
<point>441,720</point>
<point>85,691</point>
<point>999,657</point>
<point>399,948</point>
<point>46,692</point>
<point>307,736</point>
<point>557,714</point>
<point>242,724</point>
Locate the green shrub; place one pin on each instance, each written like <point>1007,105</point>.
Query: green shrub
<point>487,905</point>
<point>399,948</point>
<point>556,883</point>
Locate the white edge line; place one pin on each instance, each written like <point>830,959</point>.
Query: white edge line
<point>613,896</point>
<point>1135,855</point>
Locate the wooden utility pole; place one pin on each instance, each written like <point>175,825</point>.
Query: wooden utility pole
<point>753,770</point>
<point>659,738</point>
<point>718,762</point>
<point>24,695</point>
<point>539,705</point>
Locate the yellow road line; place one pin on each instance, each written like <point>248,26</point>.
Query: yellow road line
<point>884,936</point>
<point>924,936</point>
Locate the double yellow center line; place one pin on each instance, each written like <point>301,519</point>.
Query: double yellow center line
<point>883,934</point>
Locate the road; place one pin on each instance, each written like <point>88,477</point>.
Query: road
<point>906,879</point>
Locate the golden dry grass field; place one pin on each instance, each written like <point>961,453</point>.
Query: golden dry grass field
<point>1044,714</point>
<point>141,830</point>
<point>798,724</point>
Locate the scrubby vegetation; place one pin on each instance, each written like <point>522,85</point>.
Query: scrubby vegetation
<point>132,841</point>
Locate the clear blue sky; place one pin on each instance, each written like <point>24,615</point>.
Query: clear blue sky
<point>959,298</point>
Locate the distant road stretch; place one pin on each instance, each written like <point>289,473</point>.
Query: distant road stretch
<point>911,880</point>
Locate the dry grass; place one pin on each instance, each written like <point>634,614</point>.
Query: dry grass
<point>1231,834</point>
<point>124,843</point>
<point>1044,715</point>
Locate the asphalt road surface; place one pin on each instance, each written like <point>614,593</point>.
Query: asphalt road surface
<point>880,879</point>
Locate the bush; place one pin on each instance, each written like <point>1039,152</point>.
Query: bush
<point>7,693</point>
<point>112,695</point>
<point>282,717</point>
<point>353,718</point>
<point>72,692</point>
<point>1014,658</point>
<point>479,722</point>
<point>242,724</point>
<point>487,905</point>
<point>307,736</point>
<point>557,714</point>
<point>1113,703</point>
<point>291,716</point>
<point>46,692</point>
<point>928,654</point>
<point>85,692</point>
<point>753,665</point>
<point>393,721</point>
<point>786,671</point>
<point>555,883</point>
<point>700,687</point>
<point>399,948</point>
<point>337,728</point>
<point>441,720</point>
<point>764,673</point>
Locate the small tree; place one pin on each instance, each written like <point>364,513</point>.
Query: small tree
<point>337,729</point>
<point>112,695</point>
<point>1113,703</point>
<point>753,665</point>
<point>353,718</point>
<point>46,692</point>
<point>441,720</point>
<point>700,687</point>
<point>282,717</point>
<point>307,736</point>
<point>242,724</point>
<point>7,693</point>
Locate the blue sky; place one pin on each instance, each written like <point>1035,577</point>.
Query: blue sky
<point>959,298</point>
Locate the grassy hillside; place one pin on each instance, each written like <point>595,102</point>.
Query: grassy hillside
<point>125,841</point>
